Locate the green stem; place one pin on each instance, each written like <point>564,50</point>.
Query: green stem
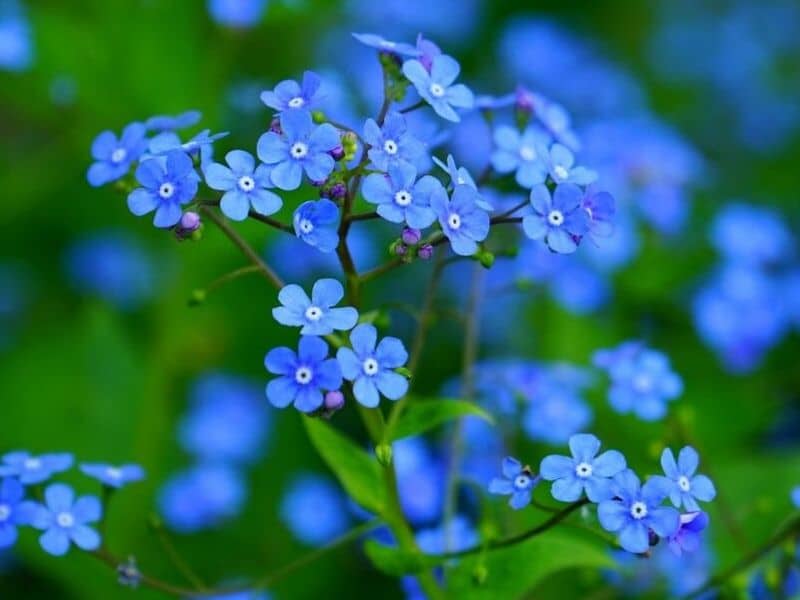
<point>231,276</point>
<point>177,560</point>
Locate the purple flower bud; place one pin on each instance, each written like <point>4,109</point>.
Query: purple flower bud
<point>338,190</point>
<point>400,249</point>
<point>318,183</point>
<point>652,537</point>
<point>275,126</point>
<point>411,236</point>
<point>334,400</point>
<point>189,223</point>
<point>525,99</point>
<point>337,153</point>
<point>425,252</point>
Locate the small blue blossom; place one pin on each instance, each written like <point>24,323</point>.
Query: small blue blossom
<point>436,86</point>
<point>371,367</point>
<point>524,154</point>
<point>517,482</point>
<point>392,143</point>
<point>14,510</point>
<point>31,469</point>
<point>559,220</point>
<point>289,95</point>
<point>560,161</point>
<point>168,183</point>
<point>237,13</point>
<point>115,156</point>
<point>316,222</point>
<point>555,415</point>
<point>245,185</point>
<point>171,123</point>
<point>688,537</point>
<point>303,146</point>
<point>463,221</point>
<point>637,510</point>
<point>585,471</point>
<point>601,208</point>
<point>401,197</point>
<point>303,374</point>
<point>379,43</point>
<point>752,235</point>
<point>113,476</point>
<point>314,509</point>
<point>316,315</point>
<point>458,175</point>
<point>16,45</point>
<point>686,487</point>
<point>64,520</point>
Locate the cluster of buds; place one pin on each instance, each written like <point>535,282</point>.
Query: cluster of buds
<point>408,246</point>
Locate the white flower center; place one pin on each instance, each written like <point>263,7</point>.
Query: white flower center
<point>303,375</point>
<point>583,470</point>
<point>65,519</point>
<point>521,481</point>
<point>298,150</point>
<point>113,473</point>
<point>296,102</point>
<point>560,172</point>
<point>460,180</point>
<point>454,221</point>
<point>32,463</point>
<point>370,366</point>
<point>306,226</point>
<point>118,155</point>
<point>638,510</point>
<point>313,313</point>
<point>166,190</point>
<point>683,483</point>
<point>643,383</point>
<point>390,147</point>
<point>527,153</point>
<point>437,91</point>
<point>555,218</point>
<point>246,183</point>
<point>403,198</point>
<point>5,512</point>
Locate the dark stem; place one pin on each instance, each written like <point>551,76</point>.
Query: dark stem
<point>256,216</point>
<point>363,216</point>
<point>413,107</point>
<point>177,560</point>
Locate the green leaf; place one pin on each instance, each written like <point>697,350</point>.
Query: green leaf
<point>511,572</point>
<point>422,415</point>
<point>396,562</point>
<point>358,472</point>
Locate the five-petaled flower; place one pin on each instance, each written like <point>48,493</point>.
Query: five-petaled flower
<point>64,520</point>
<point>436,86</point>
<point>244,184</point>
<point>31,469</point>
<point>304,374</point>
<point>517,482</point>
<point>392,143</point>
<point>289,95</point>
<point>400,197</point>
<point>315,222</point>
<point>523,153</point>
<point>685,488</point>
<point>14,510</point>
<point>316,315</point>
<point>370,366</point>
<point>585,470</point>
<point>114,156</point>
<point>113,476</point>
<point>462,219</point>
<point>636,510</point>
<point>302,147</point>
<point>168,183</point>
<point>559,219</point>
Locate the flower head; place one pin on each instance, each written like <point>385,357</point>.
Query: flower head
<point>370,366</point>
<point>316,315</point>
<point>113,476</point>
<point>29,469</point>
<point>392,143</point>
<point>245,186</point>
<point>558,220</point>
<point>290,95</point>
<point>523,154</point>
<point>463,221</point>
<point>168,183</point>
<point>379,43</point>
<point>560,165</point>
<point>302,146</point>
<point>171,123</point>
<point>401,197</point>
<point>636,510</point>
<point>314,509</point>
<point>14,510</point>
<point>114,156</point>
<point>436,86</point>
<point>65,519</point>
<point>686,487</point>
<point>585,470</point>
<point>315,222</point>
<point>688,536</point>
<point>517,482</point>
<point>304,374</point>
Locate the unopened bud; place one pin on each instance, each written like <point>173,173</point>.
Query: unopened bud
<point>189,223</point>
<point>334,400</point>
<point>411,236</point>
<point>398,248</point>
<point>479,574</point>
<point>337,153</point>
<point>383,452</point>
<point>425,252</point>
<point>275,126</point>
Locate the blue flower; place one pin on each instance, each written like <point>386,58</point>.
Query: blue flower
<point>458,175</point>
<point>314,509</point>
<point>114,156</point>
<point>316,223</point>
<point>636,510</point>
<point>796,496</point>
<point>686,487</point>
<point>392,143</point>
<point>379,43</point>
<point>600,207</point>
<point>400,197</point>
<point>555,414</point>
<point>31,469</point>
<point>168,184</point>
<point>302,147</point>
<point>16,46</point>
<point>436,86</point>
<point>517,482</point>
<point>371,368</point>
<point>463,221</point>
<point>244,184</point>
<point>559,220</point>
<point>421,479</point>
<point>65,519</point>
<point>584,471</point>
<point>112,476</point>
<point>456,534</point>
<point>170,123</point>
<point>237,13</point>
<point>751,235</point>
<point>303,375</point>
<point>560,161</point>
<point>289,95</point>
<point>315,315</point>
<point>13,510</point>
<point>525,154</point>
<point>688,537</point>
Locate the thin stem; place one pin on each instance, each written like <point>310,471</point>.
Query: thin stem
<point>413,107</point>
<point>513,209</point>
<point>157,584</point>
<point>500,220</point>
<point>177,560</point>
<point>231,276</point>
<point>256,216</point>
<point>240,243</point>
<point>380,270</point>
<point>367,216</point>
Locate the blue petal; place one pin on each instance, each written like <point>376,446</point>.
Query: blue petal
<point>296,124</point>
<point>656,488</point>
<point>167,214</point>
<point>608,464</point>
<point>325,138</point>
<point>287,175</point>
<point>584,446</point>
<point>702,488</point>
<point>598,489</point>
<point>282,391</point>
<point>669,465</point>
<point>327,292</point>
<point>312,349</point>
<point>503,161</point>
<point>219,177</point>
<point>556,467</point>
<point>265,202</point>
<point>55,541</point>
<point>392,385</point>
<point>85,537</point>
<point>416,74</point>
<point>87,509</point>
<point>342,319</point>
<point>349,363</point>
<point>103,145</point>
<point>319,166</point>
<point>520,500</point>
<point>501,487</point>
<point>308,399</point>
<point>281,361</point>
<point>534,226</point>
<point>511,467</point>
<point>560,241</point>
<point>460,96</point>
<point>391,353</point>
<point>363,339</point>
<point>688,459</point>
<point>463,245</point>
<point>365,392</point>
<point>664,520</point>
<point>141,202</point>
<point>567,489</point>
<point>241,162</point>
<point>272,148</point>
<point>235,205</point>
<point>634,537</point>
<point>328,374</point>
<point>59,497</point>
<point>444,70</point>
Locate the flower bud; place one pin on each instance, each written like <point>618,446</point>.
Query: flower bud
<point>383,452</point>
<point>275,126</point>
<point>479,574</point>
<point>337,153</point>
<point>318,116</point>
<point>398,248</point>
<point>411,236</point>
<point>334,400</point>
<point>425,252</point>
<point>190,222</point>
<point>337,191</point>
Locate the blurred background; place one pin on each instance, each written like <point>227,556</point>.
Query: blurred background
<point>689,110</point>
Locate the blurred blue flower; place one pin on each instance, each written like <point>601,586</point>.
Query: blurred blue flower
<point>392,143</point>
<point>401,197</point>
<point>463,221</point>
<point>524,154</point>
<point>378,42</point>
<point>450,19</point>
<point>370,366</point>
<point>314,509</point>
<point>456,535</point>
<point>796,496</point>
<point>168,184</point>
<point>437,86</point>
<point>688,537</point>
<point>237,13</point>
<point>560,165</point>
<point>289,95</point>
<point>315,222</point>
<point>115,156</point>
<point>685,488</point>
<point>517,482</point>
<point>64,520</point>
<point>315,315</point>
<point>601,209</point>
<point>244,184</point>
<point>113,476</point>
<point>16,46</point>
<point>421,478</point>
<point>14,510</point>
<point>554,414</point>
<point>30,469</point>
<point>751,235</point>
<point>559,220</point>
<point>160,123</point>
